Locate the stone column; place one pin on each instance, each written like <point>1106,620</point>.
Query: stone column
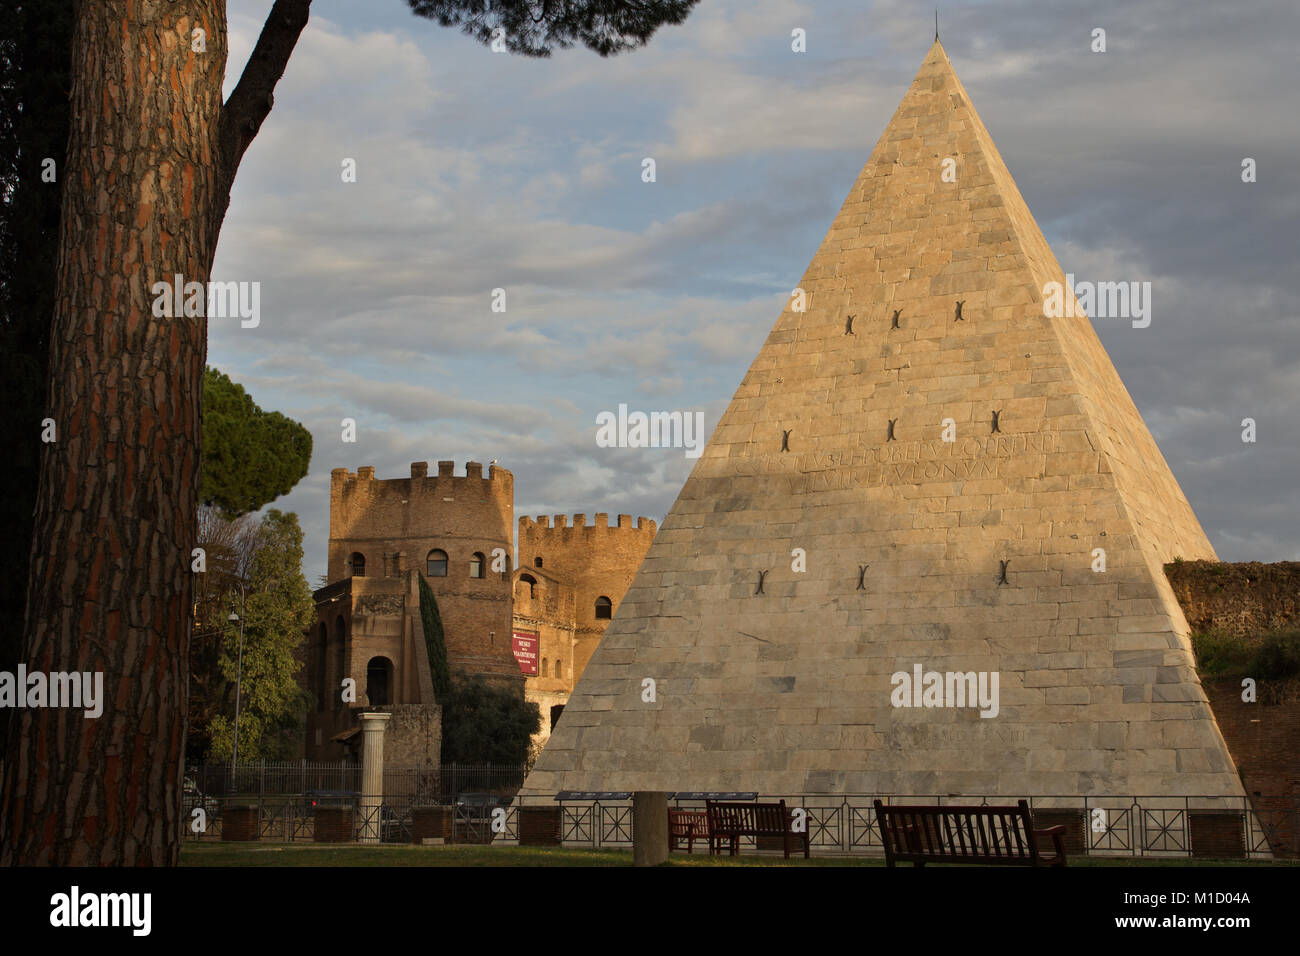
<point>372,774</point>
<point>649,827</point>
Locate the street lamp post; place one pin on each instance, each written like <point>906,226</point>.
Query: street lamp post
<point>239,678</point>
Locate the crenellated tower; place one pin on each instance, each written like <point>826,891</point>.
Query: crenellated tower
<point>598,561</point>
<point>453,529</point>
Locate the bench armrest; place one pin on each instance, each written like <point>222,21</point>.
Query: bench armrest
<point>1057,833</point>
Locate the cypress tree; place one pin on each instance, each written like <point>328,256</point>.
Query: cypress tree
<point>434,642</point>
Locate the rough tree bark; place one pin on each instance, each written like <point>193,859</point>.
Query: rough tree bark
<point>151,157</point>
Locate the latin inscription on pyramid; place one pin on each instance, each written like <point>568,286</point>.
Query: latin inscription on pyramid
<point>973,491</point>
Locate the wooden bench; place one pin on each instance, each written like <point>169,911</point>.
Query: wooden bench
<point>956,834</point>
<point>731,821</point>
<point>688,825</point>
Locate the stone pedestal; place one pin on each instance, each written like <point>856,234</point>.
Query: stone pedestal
<point>430,823</point>
<point>239,824</point>
<point>540,826</point>
<point>649,827</point>
<point>1217,834</point>
<point>332,825</point>
<point>372,776</point>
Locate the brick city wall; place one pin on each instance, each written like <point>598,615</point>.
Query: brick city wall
<point>1239,598</point>
<point>1247,599</point>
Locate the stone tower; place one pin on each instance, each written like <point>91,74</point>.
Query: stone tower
<point>954,466</point>
<point>598,560</point>
<point>447,527</point>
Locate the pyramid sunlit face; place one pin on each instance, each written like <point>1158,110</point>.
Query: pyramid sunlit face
<point>973,503</point>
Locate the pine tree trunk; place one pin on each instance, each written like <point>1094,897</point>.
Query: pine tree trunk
<point>111,584</point>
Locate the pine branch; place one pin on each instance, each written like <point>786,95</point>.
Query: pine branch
<point>252,98</point>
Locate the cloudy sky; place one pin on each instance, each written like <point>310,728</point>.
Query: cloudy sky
<point>478,170</point>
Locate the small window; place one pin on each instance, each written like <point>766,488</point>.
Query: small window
<point>545,664</point>
<point>559,668</point>
<point>358,563</point>
<point>476,565</point>
<point>604,608</point>
<point>537,562</point>
<point>436,564</point>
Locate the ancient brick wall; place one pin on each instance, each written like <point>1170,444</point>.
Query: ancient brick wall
<point>328,661</point>
<point>1241,598</point>
<point>1246,599</point>
<point>413,737</point>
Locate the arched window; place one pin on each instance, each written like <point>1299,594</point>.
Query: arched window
<point>322,668</point>
<point>604,608</point>
<point>545,665</point>
<point>537,562</point>
<point>532,584</point>
<point>559,668</point>
<point>436,564</point>
<point>379,681</point>
<point>476,565</point>
<point>358,563</point>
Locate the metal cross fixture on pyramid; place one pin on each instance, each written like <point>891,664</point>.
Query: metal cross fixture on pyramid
<point>1027,556</point>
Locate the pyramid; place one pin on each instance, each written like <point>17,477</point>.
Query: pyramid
<point>977,555</point>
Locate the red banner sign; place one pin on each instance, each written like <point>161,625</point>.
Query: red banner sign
<point>525,645</point>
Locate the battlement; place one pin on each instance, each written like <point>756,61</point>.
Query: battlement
<point>542,524</point>
<point>498,481</point>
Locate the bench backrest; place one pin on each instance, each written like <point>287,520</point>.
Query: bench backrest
<point>970,832</point>
<point>747,819</point>
<point>687,822</point>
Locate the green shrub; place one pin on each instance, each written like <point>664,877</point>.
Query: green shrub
<point>1277,657</point>
<point>434,642</point>
<point>485,723</point>
<point>1219,654</point>
<point>1271,656</point>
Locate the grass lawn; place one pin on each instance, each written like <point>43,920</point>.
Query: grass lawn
<point>318,854</point>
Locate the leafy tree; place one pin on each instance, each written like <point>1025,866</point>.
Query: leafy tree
<point>277,609</point>
<point>434,641</point>
<point>117,502</point>
<point>486,723</point>
<point>250,457</point>
<point>229,544</point>
<point>534,28</point>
